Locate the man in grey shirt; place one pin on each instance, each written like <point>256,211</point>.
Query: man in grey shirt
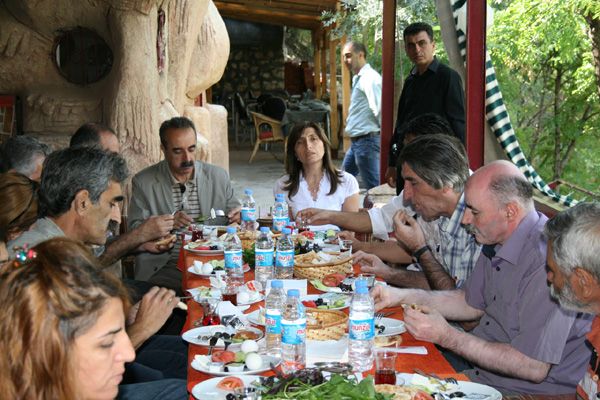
<point>363,125</point>
<point>524,343</point>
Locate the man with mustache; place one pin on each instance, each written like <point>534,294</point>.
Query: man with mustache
<point>179,185</point>
<point>574,274</point>
<point>524,343</point>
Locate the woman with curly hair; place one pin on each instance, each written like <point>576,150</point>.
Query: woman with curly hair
<point>62,325</point>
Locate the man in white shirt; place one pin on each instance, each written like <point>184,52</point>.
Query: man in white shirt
<point>363,125</point>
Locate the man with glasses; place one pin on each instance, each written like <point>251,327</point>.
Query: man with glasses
<point>431,87</point>
<point>178,185</point>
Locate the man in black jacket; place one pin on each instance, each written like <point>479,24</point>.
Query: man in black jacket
<point>431,87</point>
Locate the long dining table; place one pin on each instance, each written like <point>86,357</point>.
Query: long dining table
<point>432,362</point>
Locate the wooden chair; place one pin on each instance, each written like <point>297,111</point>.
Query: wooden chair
<point>267,130</point>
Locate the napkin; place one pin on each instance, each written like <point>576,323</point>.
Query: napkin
<point>326,350</point>
<point>227,308</point>
<point>422,350</point>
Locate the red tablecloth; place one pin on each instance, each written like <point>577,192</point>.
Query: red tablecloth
<point>432,362</point>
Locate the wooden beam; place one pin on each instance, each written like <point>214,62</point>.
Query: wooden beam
<point>269,16</point>
<point>475,88</point>
<point>301,6</point>
<point>317,39</point>
<point>333,98</point>
<point>387,86</point>
<point>346,92</point>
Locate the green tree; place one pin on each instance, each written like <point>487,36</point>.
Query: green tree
<point>542,54</point>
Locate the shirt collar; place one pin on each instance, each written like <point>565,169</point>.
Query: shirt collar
<point>511,250</point>
<point>433,67</point>
<point>453,224</point>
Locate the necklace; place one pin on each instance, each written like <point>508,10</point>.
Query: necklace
<point>314,186</point>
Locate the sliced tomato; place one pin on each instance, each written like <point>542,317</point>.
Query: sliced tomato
<point>331,281</point>
<point>309,304</point>
<point>230,383</point>
<point>308,234</point>
<point>223,356</point>
<point>421,395</point>
<point>339,276</point>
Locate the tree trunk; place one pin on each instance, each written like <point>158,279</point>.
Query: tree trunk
<point>594,34</point>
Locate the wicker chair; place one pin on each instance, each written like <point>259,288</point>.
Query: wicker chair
<point>267,130</point>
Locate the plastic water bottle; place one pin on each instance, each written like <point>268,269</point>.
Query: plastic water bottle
<point>232,247</point>
<point>293,333</point>
<point>274,309</point>
<point>280,212</point>
<point>361,329</point>
<point>248,222</point>
<point>284,260</point>
<point>263,256</point>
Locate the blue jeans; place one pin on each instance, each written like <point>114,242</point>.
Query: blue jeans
<point>160,357</point>
<point>362,159</point>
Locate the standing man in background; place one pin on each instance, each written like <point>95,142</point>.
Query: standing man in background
<point>431,87</point>
<point>363,125</point>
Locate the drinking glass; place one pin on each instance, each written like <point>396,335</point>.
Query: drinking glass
<point>385,367</point>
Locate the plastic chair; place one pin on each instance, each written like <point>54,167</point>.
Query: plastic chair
<point>267,130</point>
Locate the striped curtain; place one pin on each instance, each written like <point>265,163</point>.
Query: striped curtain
<point>497,114</point>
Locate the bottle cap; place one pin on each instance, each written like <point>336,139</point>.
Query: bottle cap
<point>265,229</point>
<point>231,229</point>
<point>276,284</point>
<point>360,289</point>
<point>360,282</point>
<point>286,231</point>
<point>248,192</point>
<point>279,196</point>
<point>293,293</point>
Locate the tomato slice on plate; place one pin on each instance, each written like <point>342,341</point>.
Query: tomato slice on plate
<point>230,383</point>
<point>223,356</point>
<point>309,304</point>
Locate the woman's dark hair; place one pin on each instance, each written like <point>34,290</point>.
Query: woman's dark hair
<point>293,166</point>
<point>19,199</point>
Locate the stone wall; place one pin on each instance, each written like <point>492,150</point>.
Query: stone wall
<point>251,68</point>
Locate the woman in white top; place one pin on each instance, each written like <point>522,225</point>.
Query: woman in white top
<point>312,180</point>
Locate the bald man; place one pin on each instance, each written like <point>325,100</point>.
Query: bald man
<point>524,343</point>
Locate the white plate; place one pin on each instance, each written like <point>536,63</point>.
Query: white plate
<point>207,390</point>
<point>205,252</point>
<point>314,297</point>
<point>336,289</point>
<point>260,298</point>
<point>190,269</point>
<point>195,292</point>
<point>253,318</point>
<point>191,336</point>
<point>392,326</point>
<point>463,386</point>
<point>267,360</point>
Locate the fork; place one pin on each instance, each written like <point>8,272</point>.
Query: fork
<point>436,377</point>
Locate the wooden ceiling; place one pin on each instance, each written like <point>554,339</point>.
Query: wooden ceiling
<point>304,14</point>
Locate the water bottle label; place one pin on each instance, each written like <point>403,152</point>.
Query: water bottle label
<point>248,214</point>
<point>279,223</point>
<point>285,258</point>
<point>293,332</point>
<point>233,259</point>
<point>273,321</point>
<point>361,329</point>
<point>263,257</point>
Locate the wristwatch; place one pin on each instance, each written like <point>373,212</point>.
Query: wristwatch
<point>417,254</point>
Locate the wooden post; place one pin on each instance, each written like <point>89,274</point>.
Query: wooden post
<point>333,98</point>
<point>475,88</point>
<point>346,91</point>
<point>323,40</point>
<point>317,39</point>
<point>387,90</point>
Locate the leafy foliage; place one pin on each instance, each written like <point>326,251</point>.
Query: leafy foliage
<point>542,56</point>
